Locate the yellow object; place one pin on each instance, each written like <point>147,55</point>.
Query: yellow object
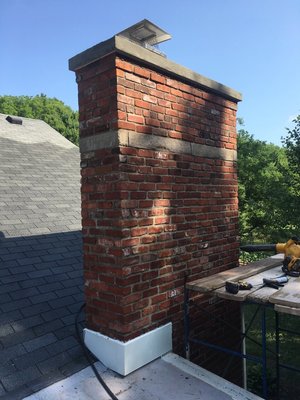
<point>290,248</point>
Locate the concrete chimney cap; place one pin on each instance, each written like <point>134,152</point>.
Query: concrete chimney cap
<point>145,32</point>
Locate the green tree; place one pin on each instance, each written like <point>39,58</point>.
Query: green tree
<point>51,110</point>
<point>291,143</point>
<point>264,191</point>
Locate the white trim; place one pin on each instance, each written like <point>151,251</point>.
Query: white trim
<point>126,357</point>
<point>232,390</point>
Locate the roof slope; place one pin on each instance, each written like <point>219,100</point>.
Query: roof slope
<point>40,256</point>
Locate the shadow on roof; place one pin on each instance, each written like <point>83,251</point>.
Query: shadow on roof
<point>41,291</point>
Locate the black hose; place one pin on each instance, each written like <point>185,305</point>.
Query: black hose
<point>251,248</point>
<point>89,358</point>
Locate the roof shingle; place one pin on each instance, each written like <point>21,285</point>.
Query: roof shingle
<point>40,256</point>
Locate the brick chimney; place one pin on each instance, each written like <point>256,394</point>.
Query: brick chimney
<point>159,192</point>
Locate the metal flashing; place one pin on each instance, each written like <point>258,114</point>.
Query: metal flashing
<point>145,32</point>
<point>126,357</point>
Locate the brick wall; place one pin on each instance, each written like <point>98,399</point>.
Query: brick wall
<point>159,193</point>
<point>152,103</point>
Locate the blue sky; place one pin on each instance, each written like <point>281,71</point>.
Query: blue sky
<point>249,45</point>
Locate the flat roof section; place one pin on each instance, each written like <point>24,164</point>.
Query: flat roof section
<point>168,378</point>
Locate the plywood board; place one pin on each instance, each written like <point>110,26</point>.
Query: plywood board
<point>262,295</point>
<point>287,310</point>
<point>289,295</point>
<point>256,291</point>
<point>216,281</point>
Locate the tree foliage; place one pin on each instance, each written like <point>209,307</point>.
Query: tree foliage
<point>291,143</point>
<point>265,194</point>
<point>51,110</point>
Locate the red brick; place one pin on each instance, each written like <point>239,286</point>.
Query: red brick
<point>125,99</point>
<point>147,186</point>
<point>145,203</point>
<point>142,72</point>
<point>155,229</point>
<point>152,122</point>
<point>158,78</point>
<point>164,103</point>
<point>148,239</point>
<point>164,88</point>
<point>126,125</point>
<point>142,104</point>
<point>138,195</point>
<point>149,217</point>
<point>159,298</point>
<point>138,231</point>
<point>135,118</point>
<point>120,73</point>
<point>144,129</point>
<point>133,94</point>
<point>149,99</point>
<point>127,66</point>
<point>132,77</point>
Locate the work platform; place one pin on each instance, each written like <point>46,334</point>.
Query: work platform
<point>284,300</point>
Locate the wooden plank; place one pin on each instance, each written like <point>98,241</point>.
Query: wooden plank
<point>256,281</point>
<point>216,281</point>
<point>262,295</point>
<point>289,295</point>
<point>287,310</point>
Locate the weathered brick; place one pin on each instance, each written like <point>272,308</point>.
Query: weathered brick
<point>153,215</point>
<point>136,118</point>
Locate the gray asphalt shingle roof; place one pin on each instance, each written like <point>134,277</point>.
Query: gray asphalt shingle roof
<point>40,257</point>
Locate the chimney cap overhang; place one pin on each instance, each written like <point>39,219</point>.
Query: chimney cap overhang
<point>145,32</point>
<point>121,45</point>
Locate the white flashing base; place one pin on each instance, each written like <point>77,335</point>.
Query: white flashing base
<point>126,357</point>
